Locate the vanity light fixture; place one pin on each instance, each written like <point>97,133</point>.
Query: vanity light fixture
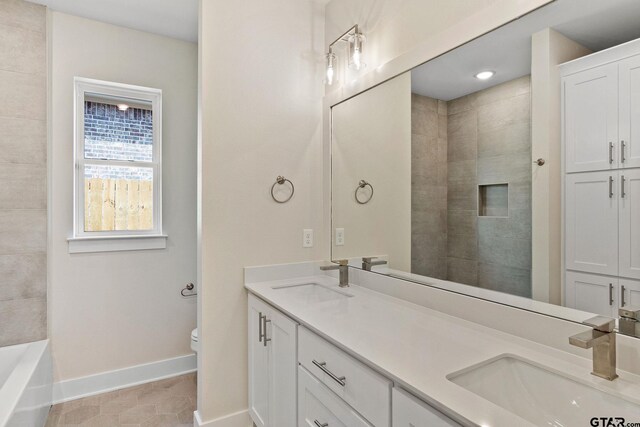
<point>355,44</point>
<point>485,75</point>
<point>331,67</point>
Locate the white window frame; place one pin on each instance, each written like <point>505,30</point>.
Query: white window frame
<point>115,240</point>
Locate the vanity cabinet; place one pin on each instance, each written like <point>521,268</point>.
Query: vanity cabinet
<point>356,384</point>
<point>272,366</point>
<point>297,378</point>
<point>411,412</point>
<point>320,407</point>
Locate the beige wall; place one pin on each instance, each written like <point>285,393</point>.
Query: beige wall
<point>23,171</point>
<point>261,73</point>
<point>371,140</point>
<point>549,48</point>
<point>260,104</point>
<point>117,309</point>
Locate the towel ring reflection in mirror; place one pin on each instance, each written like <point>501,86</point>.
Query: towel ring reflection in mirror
<point>361,185</point>
<point>281,180</point>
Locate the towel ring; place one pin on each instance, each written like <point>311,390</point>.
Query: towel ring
<point>363,184</point>
<point>280,180</point>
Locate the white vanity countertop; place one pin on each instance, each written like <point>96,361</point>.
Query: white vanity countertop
<point>418,347</point>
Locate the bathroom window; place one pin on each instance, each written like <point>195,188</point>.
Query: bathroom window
<point>118,192</point>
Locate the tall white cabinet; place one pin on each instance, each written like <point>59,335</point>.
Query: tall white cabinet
<point>601,143</point>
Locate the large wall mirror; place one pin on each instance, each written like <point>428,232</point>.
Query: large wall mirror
<point>505,168</point>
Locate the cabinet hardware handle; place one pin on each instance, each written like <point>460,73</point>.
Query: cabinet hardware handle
<point>610,293</point>
<point>611,152</point>
<point>319,424</point>
<point>611,187</point>
<point>260,327</point>
<point>323,367</point>
<point>622,192</point>
<point>623,145</point>
<point>622,302</point>
<point>264,328</point>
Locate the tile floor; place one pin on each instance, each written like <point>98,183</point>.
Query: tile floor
<point>165,403</point>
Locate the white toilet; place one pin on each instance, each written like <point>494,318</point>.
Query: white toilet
<point>194,340</point>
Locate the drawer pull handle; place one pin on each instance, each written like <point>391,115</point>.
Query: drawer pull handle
<point>323,367</point>
<point>265,340</point>
<point>319,424</point>
<point>260,327</point>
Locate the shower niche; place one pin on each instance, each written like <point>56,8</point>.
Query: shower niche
<point>493,200</point>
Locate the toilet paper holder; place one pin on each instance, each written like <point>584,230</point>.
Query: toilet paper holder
<point>188,291</point>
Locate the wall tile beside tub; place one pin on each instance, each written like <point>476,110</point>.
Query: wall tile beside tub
<point>23,165</point>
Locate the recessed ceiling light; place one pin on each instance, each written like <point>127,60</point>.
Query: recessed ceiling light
<point>123,107</point>
<point>484,75</point>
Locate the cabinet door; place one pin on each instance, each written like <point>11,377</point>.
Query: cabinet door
<point>320,407</point>
<point>591,222</point>
<point>590,119</point>
<point>281,334</point>
<point>630,112</point>
<point>629,207</point>
<point>258,364</point>
<point>411,412</point>
<point>591,293</point>
<point>629,293</point>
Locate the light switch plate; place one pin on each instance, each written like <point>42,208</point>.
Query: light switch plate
<point>307,238</point>
<point>339,236</point>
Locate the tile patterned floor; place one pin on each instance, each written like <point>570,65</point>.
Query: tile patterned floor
<point>165,403</point>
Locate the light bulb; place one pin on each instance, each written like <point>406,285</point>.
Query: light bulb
<point>356,59</point>
<point>330,75</point>
<point>484,75</point>
<point>356,44</point>
<point>331,59</point>
<point>123,107</point>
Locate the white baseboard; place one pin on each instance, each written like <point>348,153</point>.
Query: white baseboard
<point>237,419</point>
<point>77,388</point>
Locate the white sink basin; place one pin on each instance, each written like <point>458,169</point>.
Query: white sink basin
<point>313,292</point>
<point>540,396</point>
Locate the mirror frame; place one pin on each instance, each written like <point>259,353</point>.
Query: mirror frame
<point>486,21</point>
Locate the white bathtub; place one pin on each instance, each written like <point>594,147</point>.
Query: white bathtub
<point>25,384</point>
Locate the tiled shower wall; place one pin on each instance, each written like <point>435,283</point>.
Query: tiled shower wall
<point>428,186</point>
<point>23,170</point>
<point>488,141</point>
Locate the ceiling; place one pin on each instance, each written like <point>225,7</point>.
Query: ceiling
<point>596,24</point>
<point>172,18</point>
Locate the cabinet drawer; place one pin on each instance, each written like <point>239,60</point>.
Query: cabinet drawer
<point>319,407</point>
<point>408,411</point>
<point>365,390</point>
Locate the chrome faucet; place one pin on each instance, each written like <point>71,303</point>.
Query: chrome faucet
<point>343,267</point>
<point>602,338</point>
<point>368,262</point>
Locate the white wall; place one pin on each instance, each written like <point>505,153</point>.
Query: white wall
<point>118,309</point>
<point>261,116</point>
<point>549,49</point>
<point>371,140</point>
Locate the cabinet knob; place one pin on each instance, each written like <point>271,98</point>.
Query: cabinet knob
<point>539,162</point>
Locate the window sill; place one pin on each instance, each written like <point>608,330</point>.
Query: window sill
<point>116,243</point>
